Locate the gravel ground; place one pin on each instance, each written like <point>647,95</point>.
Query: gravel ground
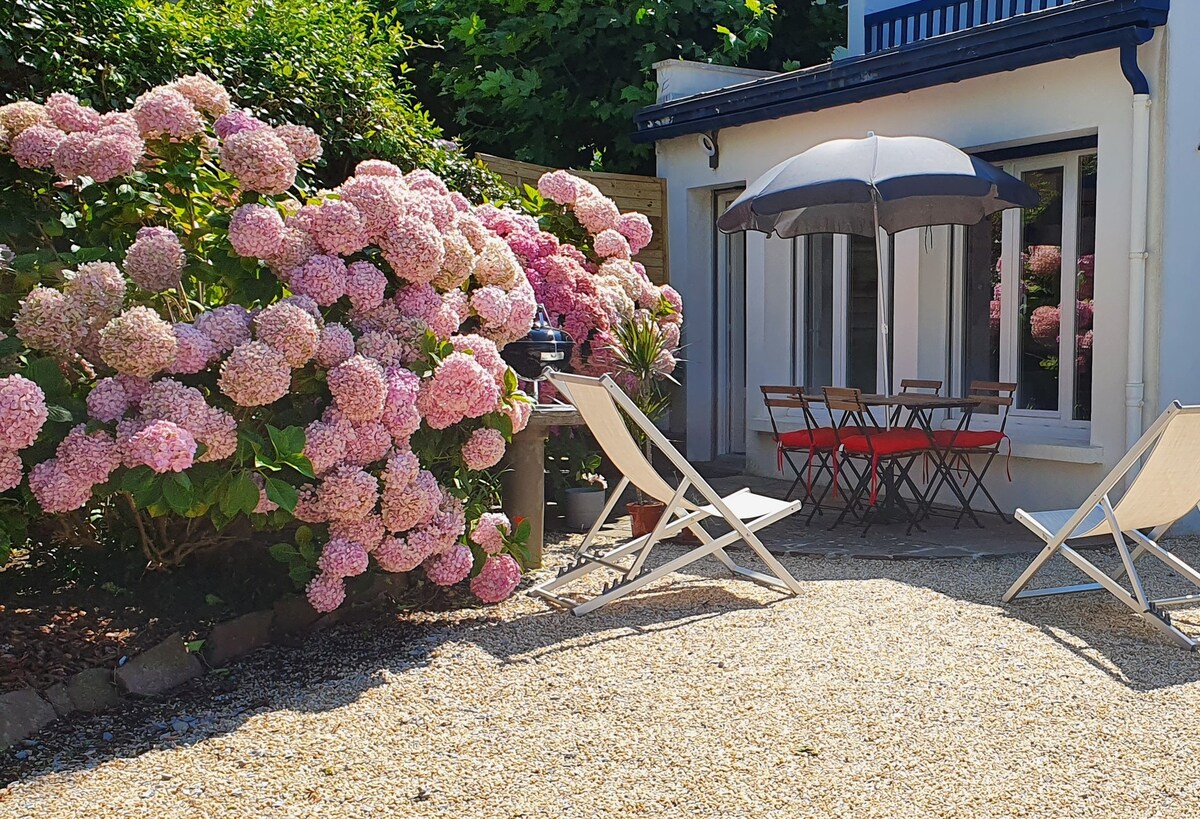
<point>885,689</point>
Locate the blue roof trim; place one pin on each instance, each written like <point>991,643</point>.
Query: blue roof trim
<point>1055,34</point>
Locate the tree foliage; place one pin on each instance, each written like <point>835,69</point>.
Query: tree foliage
<point>558,82</point>
<point>334,65</point>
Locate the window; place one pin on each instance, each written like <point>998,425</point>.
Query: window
<point>1023,285</point>
<point>837,341</point>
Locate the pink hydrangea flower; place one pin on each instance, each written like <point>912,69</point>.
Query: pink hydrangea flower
<point>338,228</point>
<point>451,567</point>
<point>497,265</point>
<point>235,122</point>
<point>308,505</point>
<point>611,244</point>
<point>226,327</point>
<point>359,388</point>
<point>256,231</point>
<point>162,446</point>
<point>34,147</point>
<point>55,490</point>
<point>365,285</point>
<point>348,494</point>
<point>378,167</point>
<point>636,228</point>
<point>51,322</point>
<point>489,532</point>
<point>107,401</point>
<point>485,352</point>
<point>334,345</point>
<point>403,468</point>
<point>1044,324</point>
<point>11,470</point>
<point>23,412</point>
<point>88,456</point>
<point>156,260</point>
<point>164,112</point>
<point>559,186</point>
<point>326,592</point>
<point>290,330</point>
<point>322,277</point>
<point>325,444</point>
<point>265,505</point>
<point>295,248</point>
<point>382,347</point>
<point>458,261</point>
<point>138,342</point>
<point>491,305</point>
<point>368,532</point>
<point>499,577</point>
<point>69,115</point>
<point>258,159</point>
<point>460,388</point>
<point>343,558</point>
<point>410,504</point>
<point>396,554</point>
<point>413,249</point>
<point>205,93</point>
<point>97,287</point>
<point>302,141</point>
<point>483,449</point>
<point>15,117</point>
<point>519,412</point>
<point>378,199</point>
<point>596,213</point>
<point>369,443</point>
<point>1045,260</point>
<point>400,413</point>
<point>194,351</point>
<point>255,374</point>
<point>68,156</point>
<point>111,155</point>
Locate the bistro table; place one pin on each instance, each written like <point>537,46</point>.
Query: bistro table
<point>920,408</point>
<point>524,477</point>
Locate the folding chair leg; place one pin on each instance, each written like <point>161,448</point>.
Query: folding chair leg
<point>613,497</point>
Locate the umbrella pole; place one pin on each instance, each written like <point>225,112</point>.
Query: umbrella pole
<point>884,330</point>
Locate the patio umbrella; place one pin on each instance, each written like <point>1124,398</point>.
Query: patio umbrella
<point>861,186</point>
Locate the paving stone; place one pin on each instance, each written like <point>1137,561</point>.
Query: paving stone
<point>293,615</point>
<point>238,637</point>
<point>93,690</point>
<point>58,696</point>
<point>23,713</point>
<point>160,669</point>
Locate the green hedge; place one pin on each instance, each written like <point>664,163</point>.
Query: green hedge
<point>331,64</point>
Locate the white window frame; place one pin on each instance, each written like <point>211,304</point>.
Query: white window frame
<point>1009,369</point>
<point>841,313</point>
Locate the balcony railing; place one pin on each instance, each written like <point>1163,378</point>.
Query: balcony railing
<point>922,20</point>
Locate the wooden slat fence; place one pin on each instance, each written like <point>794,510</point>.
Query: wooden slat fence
<point>644,194</point>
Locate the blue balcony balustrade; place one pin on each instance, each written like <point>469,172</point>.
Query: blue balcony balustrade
<point>922,20</point>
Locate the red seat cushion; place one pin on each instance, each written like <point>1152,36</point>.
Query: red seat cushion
<point>981,439</point>
<point>887,442</point>
<point>820,438</point>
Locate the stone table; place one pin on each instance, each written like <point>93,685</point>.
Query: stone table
<point>525,474</point>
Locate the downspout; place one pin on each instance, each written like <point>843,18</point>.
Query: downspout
<point>1135,383</point>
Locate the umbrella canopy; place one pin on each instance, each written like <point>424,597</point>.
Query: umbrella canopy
<point>835,186</point>
<point>861,186</point>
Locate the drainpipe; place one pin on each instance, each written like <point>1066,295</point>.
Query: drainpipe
<point>1135,384</point>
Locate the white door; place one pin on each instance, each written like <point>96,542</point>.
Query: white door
<point>729,324</point>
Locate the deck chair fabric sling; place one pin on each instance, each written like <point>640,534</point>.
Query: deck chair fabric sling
<point>1164,490</point>
<point>603,404</point>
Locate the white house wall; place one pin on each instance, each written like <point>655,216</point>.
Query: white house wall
<point>1086,95</point>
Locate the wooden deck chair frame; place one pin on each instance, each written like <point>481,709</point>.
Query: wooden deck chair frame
<point>602,404</point>
<point>1164,490</point>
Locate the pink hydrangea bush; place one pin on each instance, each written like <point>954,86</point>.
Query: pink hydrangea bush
<point>250,357</point>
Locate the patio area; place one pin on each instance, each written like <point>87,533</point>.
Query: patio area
<point>898,688</point>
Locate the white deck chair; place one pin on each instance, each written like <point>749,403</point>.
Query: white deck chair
<point>1165,490</point>
<point>601,403</point>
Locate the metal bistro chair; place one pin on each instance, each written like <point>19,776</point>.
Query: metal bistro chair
<point>897,449</point>
<point>961,445</point>
<point>816,443</point>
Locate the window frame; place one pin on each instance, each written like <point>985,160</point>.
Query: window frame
<point>1011,241</point>
<point>841,311</point>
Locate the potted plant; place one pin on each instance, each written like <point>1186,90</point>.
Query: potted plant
<point>585,500</point>
<point>644,359</point>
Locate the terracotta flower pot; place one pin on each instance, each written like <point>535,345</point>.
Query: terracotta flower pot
<point>643,516</point>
